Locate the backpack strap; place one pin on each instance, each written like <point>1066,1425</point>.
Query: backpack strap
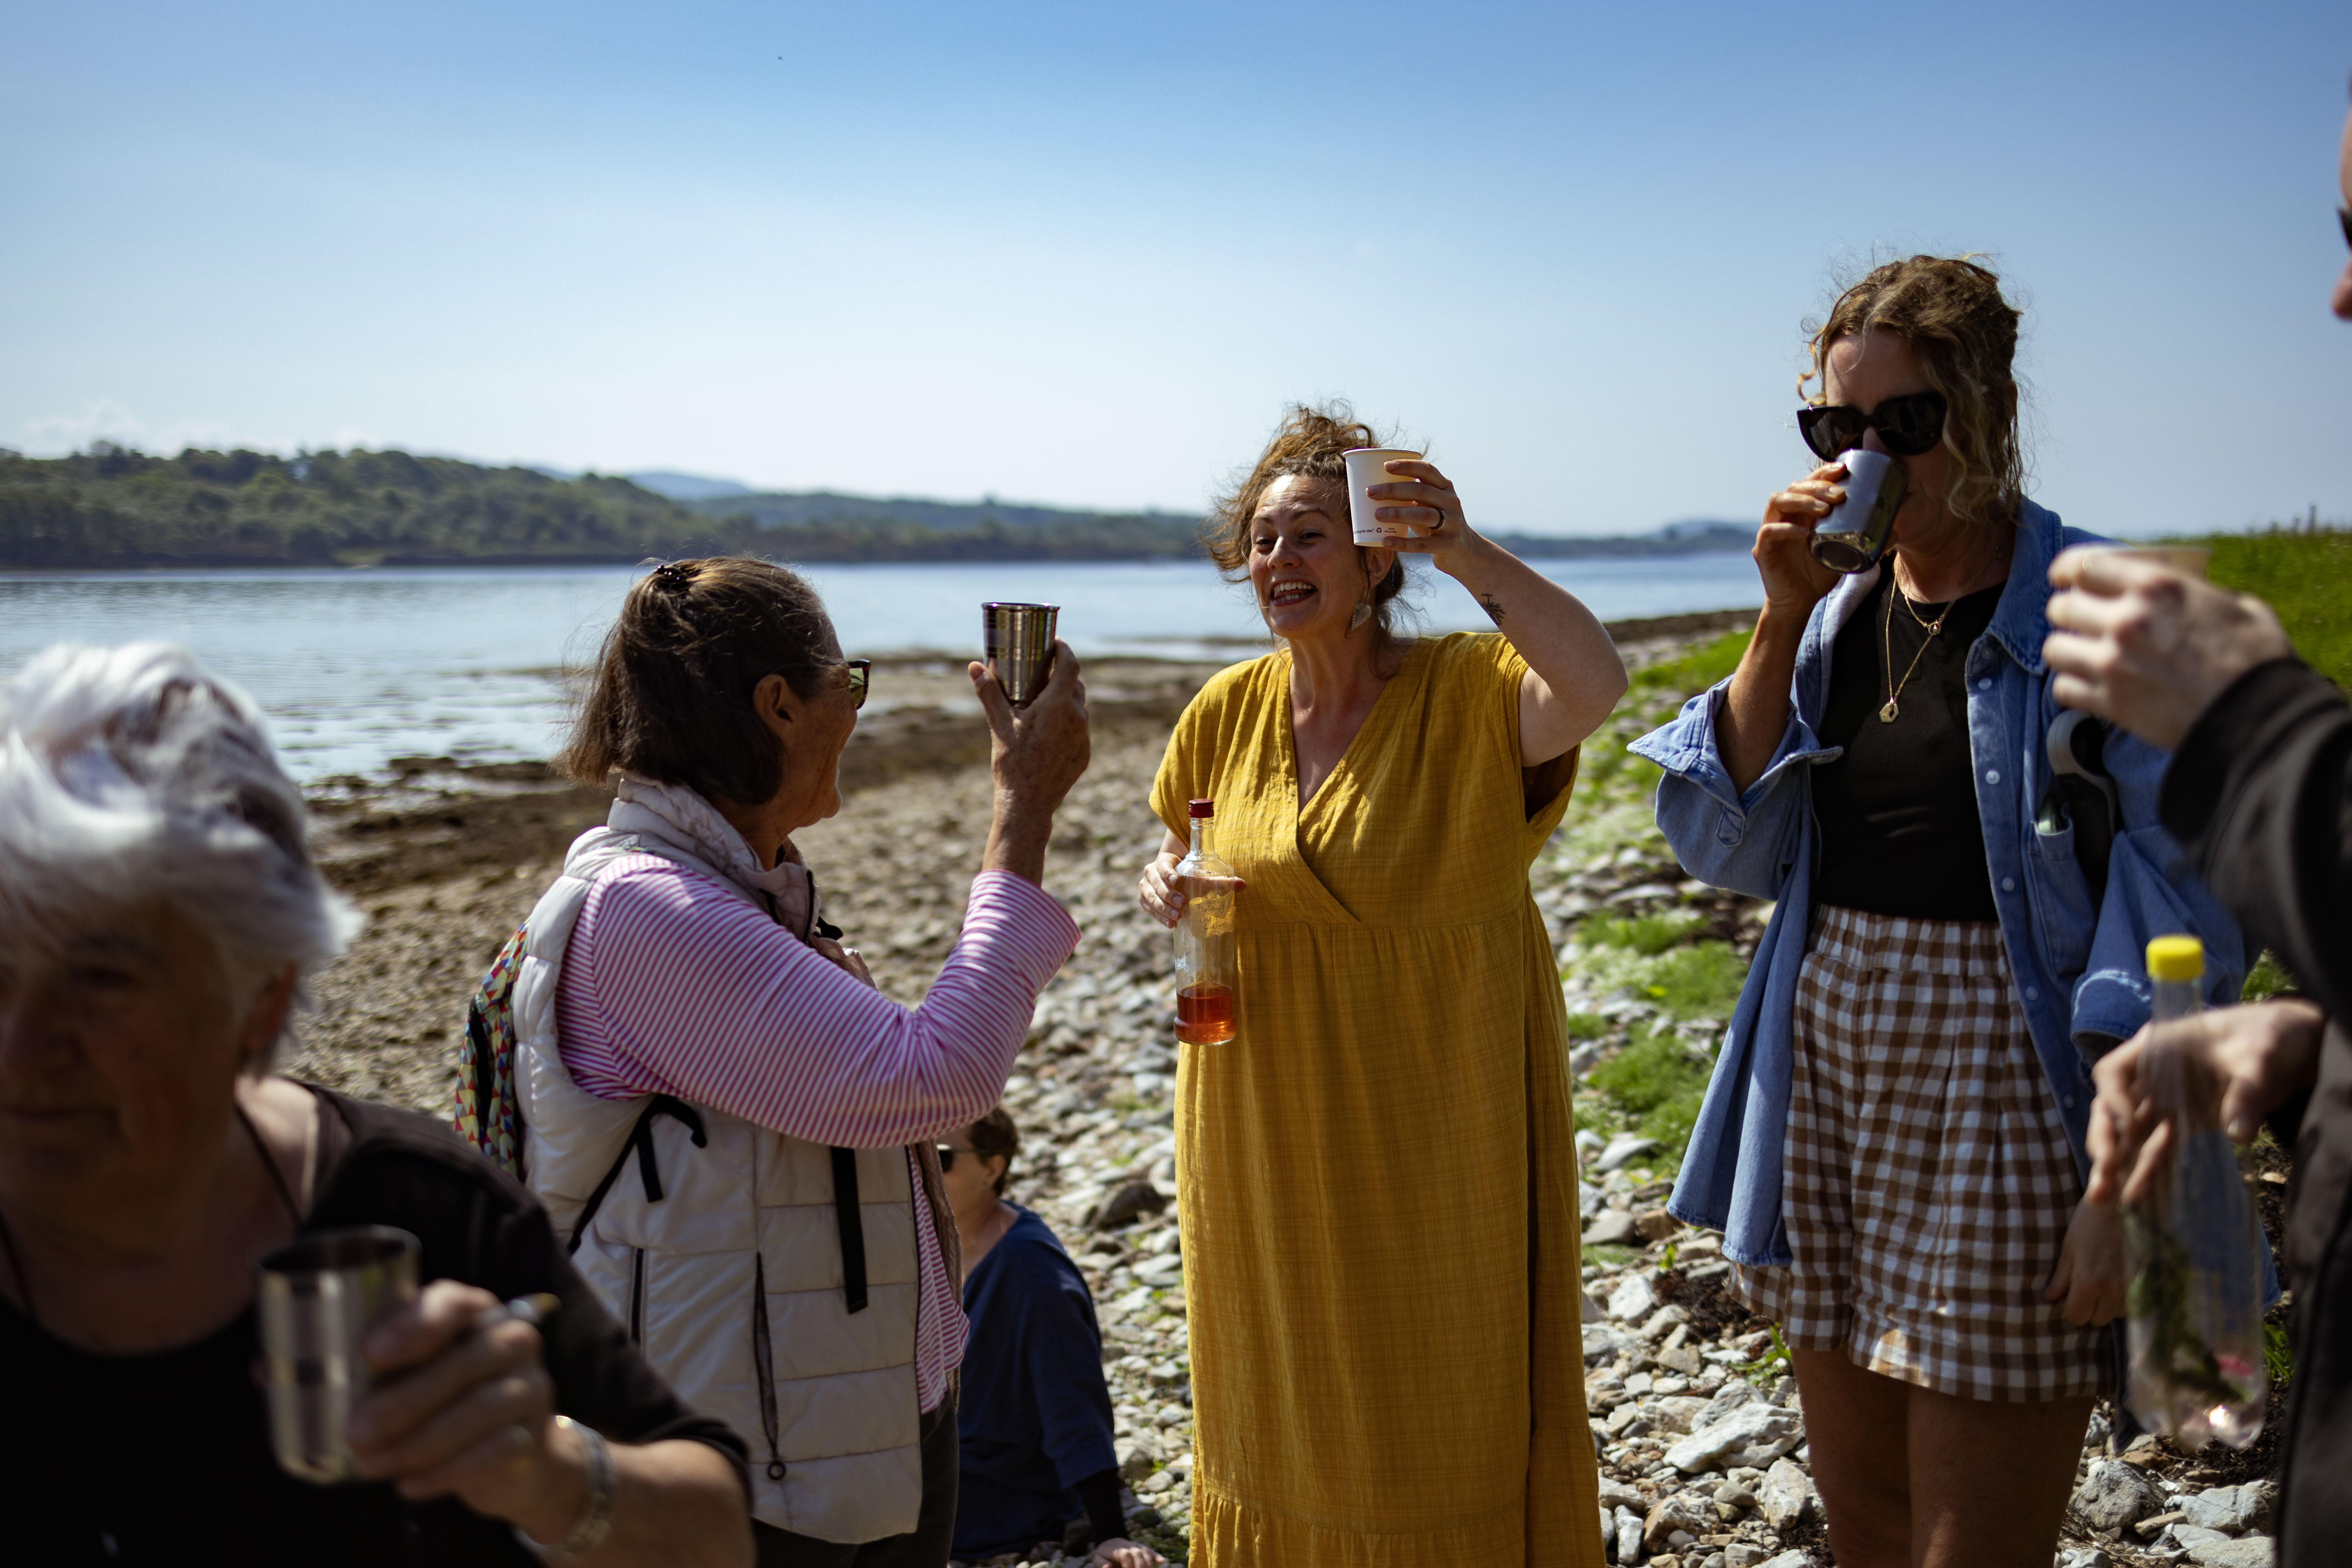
<point>640,1141</point>
<point>851,1224</point>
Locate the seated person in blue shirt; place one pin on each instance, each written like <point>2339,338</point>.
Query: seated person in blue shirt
<point>1034,1413</point>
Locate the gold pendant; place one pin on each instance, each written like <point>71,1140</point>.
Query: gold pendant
<point>1886,714</point>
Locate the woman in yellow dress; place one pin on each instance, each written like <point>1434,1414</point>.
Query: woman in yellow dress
<point>1377,1178</point>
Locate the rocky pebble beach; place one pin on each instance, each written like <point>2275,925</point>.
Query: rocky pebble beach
<point>1704,1456</point>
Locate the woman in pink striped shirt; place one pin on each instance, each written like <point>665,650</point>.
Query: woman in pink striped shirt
<point>732,1125</point>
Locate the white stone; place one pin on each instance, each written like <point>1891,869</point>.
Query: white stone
<point>2190,1537</point>
<point>2231,1509</point>
<point>1633,1298</point>
<point>1784,1495</point>
<point>1629,1536</point>
<point>1616,1494</point>
<point>1672,1516</point>
<point>2247,1552</point>
<point>1611,1228</point>
<point>1750,1434</point>
<point>2214,1509</point>
<point>2115,1495</point>
<point>1625,1146</point>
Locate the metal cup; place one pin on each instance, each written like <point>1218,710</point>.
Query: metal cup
<point>1018,640</point>
<point>1853,537</point>
<point>319,1296</point>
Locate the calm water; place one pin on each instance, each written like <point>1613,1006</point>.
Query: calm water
<point>358,667</point>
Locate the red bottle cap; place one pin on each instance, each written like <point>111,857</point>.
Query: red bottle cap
<point>1204,808</point>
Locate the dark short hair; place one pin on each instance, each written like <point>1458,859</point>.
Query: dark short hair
<point>672,694</point>
<point>993,1135</point>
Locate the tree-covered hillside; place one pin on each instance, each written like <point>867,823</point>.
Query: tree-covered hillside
<point>114,507</point>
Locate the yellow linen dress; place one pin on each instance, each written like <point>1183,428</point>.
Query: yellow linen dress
<point>1377,1178</point>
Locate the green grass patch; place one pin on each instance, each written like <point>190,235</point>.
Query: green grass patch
<point>1608,1255</point>
<point>1651,934</point>
<point>1607,770</point>
<point>2307,578</point>
<point>1694,671</point>
<point>1657,1085</point>
<point>1700,980</point>
<point>2268,978</point>
<point>1772,1363</point>
<point>2278,1355</point>
<point>1588,1026</point>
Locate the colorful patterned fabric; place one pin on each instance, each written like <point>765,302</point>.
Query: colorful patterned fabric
<point>490,1112</point>
<point>1927,1177</point>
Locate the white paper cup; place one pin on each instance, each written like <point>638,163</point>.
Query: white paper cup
<point>1366,466</point>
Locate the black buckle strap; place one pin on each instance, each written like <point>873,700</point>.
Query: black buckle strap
<point>852,1226</point>
<point>640,1141</point>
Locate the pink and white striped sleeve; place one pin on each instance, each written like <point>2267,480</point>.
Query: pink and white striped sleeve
<point>674,985</point>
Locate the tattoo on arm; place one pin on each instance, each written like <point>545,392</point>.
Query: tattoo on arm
<point>1492,607</point>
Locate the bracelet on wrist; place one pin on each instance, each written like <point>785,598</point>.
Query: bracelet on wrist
<point>595,1521</point>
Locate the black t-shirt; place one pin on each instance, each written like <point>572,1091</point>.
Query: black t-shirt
<point>1897,814</point>
<point>165,1457</point>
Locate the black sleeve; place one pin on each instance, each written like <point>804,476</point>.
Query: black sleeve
<point>1099,1492</point>
<point>477,1225</point>
<point>2261,793</point>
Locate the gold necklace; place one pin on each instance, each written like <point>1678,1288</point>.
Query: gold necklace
<point>1932,627</point>
<point>1887,715</point>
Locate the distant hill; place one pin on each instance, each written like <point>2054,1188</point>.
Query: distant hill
<point>116,506</point>
<point>685,486</point>
<point>1702,538</point>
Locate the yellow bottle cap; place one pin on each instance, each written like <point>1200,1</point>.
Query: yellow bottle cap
<point>2176,958</point>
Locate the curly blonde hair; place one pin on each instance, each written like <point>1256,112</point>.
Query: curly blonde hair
<point>1950,311</point>
<point>1309,444</point>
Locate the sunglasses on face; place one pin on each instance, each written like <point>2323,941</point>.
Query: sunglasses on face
<point>947,1152</point>
<point>861,675</point>
<point>2344,216</point>
<point>1909,426</point>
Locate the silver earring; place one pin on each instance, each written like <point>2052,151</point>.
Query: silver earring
<point>1363,612</point>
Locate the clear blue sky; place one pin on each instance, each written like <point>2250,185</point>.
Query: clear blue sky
<point>1084,253</point>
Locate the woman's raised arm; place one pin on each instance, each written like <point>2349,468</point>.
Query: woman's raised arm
<point>1574,674</point>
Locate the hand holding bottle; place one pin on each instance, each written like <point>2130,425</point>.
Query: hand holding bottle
<point>1163,893</point>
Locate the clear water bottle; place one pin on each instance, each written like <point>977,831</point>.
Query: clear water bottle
<point>2194,1247</point>
<point>1205,968</point>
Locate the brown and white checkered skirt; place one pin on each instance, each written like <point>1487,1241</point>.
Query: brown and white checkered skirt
<point>1926,1180</point>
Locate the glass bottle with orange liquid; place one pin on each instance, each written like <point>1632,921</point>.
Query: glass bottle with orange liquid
<point>1205,968</point>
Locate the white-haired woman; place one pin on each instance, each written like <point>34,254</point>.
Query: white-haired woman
<point>158,912</point>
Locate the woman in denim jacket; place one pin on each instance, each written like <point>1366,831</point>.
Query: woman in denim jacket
<point>1893,1139</point>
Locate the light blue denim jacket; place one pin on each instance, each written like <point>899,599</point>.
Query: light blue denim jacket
<point>2078,971</point>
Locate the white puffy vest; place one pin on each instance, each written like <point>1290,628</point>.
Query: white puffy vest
<point>731,1281</point>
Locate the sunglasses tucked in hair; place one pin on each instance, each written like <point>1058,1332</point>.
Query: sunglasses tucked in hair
<point>1909,426</point>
